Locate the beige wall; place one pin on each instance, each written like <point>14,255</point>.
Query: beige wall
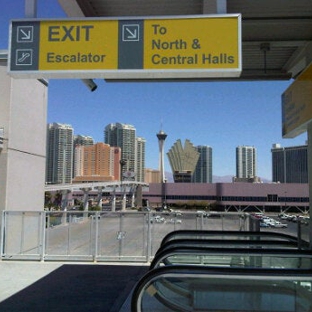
<point>23,116</point>
<point>152,176</point>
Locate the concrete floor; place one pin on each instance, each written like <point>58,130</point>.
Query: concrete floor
<point>61,287</point>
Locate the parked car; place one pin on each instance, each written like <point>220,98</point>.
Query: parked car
<point>157,219</point>
<point>284,216</point>
<point>263,224</point>
<point>214,215</point>
<point>200,213</point>
<point>269,221</point>
<point>94,217</point>
<point>175,221</point>
<point>280,224</point>
<point>258,215</point>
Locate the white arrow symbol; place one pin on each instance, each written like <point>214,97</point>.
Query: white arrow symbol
<point>132,34</point>
<point>26,34</point>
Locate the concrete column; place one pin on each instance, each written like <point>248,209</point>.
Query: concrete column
<point>114,199</point>
<point>99,196</point>
<point>30,8</point>
<point>124,198</point>
<point>85,201</point>
<point>22,154</point>
<point>133,196</point>
<point>310,178</point>
<point>64,203</point>
<point>214,6</point>
<point>139,197</point>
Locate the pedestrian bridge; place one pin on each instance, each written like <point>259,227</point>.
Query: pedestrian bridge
<point>113,185</point>
<point>133,188</point>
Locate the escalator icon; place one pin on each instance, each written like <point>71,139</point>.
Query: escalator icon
<point>24,57</point>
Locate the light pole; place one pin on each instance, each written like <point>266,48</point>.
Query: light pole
<point>165,193</point>
<point>122,164</point>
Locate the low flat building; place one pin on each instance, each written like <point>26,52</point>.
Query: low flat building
<point>238,196</point>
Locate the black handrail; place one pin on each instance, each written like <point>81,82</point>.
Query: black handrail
<point>183,271</point>
<point>164,254</point>
<point>200,234</point>
<point>228,243</point>
<point>202,244</point>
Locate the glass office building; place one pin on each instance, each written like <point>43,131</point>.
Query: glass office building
<point>203,170</point>
<point>290,164</point>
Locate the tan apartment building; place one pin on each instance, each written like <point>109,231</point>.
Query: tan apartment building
<point>151,175</point>
<point>97,163</point>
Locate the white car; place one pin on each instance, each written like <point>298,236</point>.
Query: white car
<point>269,221</point>
<point>284,216</point>
<point>156,219</point>
<point>159,219</point>
<point>175,221</point>
<point>280,224</point>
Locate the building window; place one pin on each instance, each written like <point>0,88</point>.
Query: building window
<point>272,198</point>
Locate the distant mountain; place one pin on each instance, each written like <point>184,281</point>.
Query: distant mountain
<point>264,180</point>
<point>222,179</point>
<point>228,179</point>
<point>215,179</point>
<point>169,176</point>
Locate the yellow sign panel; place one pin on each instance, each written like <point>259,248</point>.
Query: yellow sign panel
<point>297,105</point>
<point>191,43</point>
<point>78,45</point>
<point>181,47</point>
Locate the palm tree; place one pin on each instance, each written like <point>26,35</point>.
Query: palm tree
<point>57,199</point>
<point>47,199</point>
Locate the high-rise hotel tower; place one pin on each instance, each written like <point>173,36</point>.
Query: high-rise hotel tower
<point>183,161</point>
<point>59,161</point>
<point>203,170</point>
<point>246,162</point>
<point>290,164</point>
<point>132,148</point>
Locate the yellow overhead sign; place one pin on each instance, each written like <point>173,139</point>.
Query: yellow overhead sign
<point>79,45</point>
<point>182,47</point>
<point>210,43</point>
<point>297,105</point>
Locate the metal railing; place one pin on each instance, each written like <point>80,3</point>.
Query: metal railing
<point>102,236</point>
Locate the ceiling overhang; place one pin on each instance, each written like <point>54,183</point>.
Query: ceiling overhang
<point>276,35</point>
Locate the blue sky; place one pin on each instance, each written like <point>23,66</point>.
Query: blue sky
<point>222,115</point>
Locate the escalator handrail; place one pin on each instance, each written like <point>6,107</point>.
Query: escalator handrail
<point>205,251</point>
<point>227,243</point>
<point>185,270</point>
<point>201,233</point>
